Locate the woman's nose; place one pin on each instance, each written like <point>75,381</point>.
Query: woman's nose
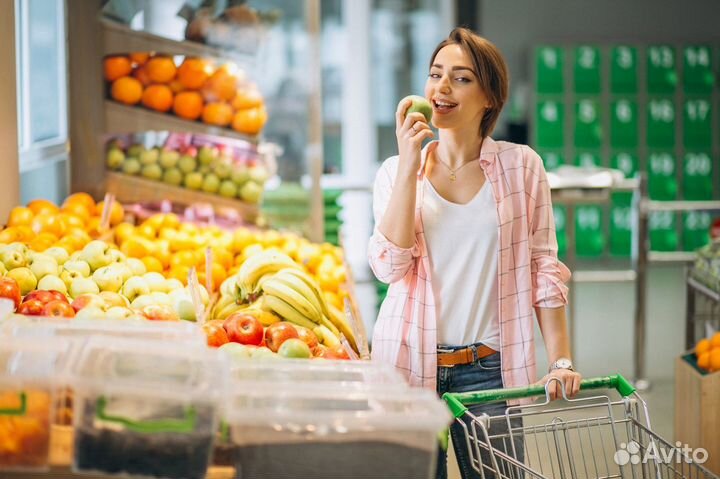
<point>444,84</point>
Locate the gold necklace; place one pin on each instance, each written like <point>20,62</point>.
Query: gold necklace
<point>453,177</point>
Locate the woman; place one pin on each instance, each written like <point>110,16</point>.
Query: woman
<point>465,237</point>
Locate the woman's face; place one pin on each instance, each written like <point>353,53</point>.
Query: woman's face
<point>454,91</point>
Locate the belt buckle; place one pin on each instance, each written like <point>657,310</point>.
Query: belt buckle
<point>474,350</point>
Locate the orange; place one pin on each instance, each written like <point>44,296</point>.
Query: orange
<point>703,360</point>
<point>123,232</point>
<point>247,98</point>
<point>158,97</point>
<point>43,241</point>
<point>42,206</point>
<point>79,210</point>
<point>139,58</point>
<point>10,235</point>
<point>715,341</point>
<point>176,87</point>
<point>161,69</point>
<point>179,272</point>
<point>20,215</point>
<point>188,105</point>
<point>217,113</point>
<point>116,67</point>
<point>193,73</point>
<point>82,198</point>
<point>79,233</point>
<point>715,360</point>
<point>73,221</point>
<point>221,86</point>
<point>702,346</point>
<point>152,264</point>
<point>49,223</point>
<point>146,231</point>
<point>126,90</point>
<point>117,212</point>
<point>141,75</point>
<point>250,121</point>
<point>171,220</point>
<point>182,258</point>
<point>218,275</point>
<point>137,247</point>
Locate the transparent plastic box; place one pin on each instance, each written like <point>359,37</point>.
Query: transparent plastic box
<point>145,408</point>
<point>306,432</point>
<point>30,373</point>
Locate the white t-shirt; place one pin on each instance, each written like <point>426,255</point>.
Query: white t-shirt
<point>462,242</point>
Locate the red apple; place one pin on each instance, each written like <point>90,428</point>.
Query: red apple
<point>85,300</point>
<point>340,352</point>
<point>216,335</point>
<point>40,295</point>
<point>58,308</point>
<point>277,333</point>
<point>308,337</point>
<point>322,351</point>
<point>58,295</point>
<point>34,307</point>
<point>244,329</point>
<point>9,289</point>
<point>159,312</point>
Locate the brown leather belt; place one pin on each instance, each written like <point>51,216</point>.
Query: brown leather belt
<point>463,356</point>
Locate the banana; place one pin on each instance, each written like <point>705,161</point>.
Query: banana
<point>324,321</point>
<point>228,310</point>
<point>291,296</point>
<point>328,338</point>
<point>222,302</point>
<point>259,265</point>
<point>286,311</point>
<point>338,319</point>
<point>311,285</point>
<point>265,317</point>
<point>229,287</point>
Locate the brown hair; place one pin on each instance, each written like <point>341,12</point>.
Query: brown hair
<point>490,68</point>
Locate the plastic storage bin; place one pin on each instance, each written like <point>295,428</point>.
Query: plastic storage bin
<point>308,432</point>
<point>29,375</point>
<point>145,408</point>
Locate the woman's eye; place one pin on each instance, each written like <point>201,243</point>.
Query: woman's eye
<point>463,80</point>
<point>434,75</point>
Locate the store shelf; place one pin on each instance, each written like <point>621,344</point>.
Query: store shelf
<point>672,256</point>
<point>133,189</point>
<point>119,38</point>
<point>121,118</point>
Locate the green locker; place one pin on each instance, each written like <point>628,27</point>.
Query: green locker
<point>661,71</point>
<point>663,233</point>
<point>621,224</point>
<point>661,123</point>
<point>549,69</point>
<point>662,181</point>
<point>588,158</point>
<point>696,229</point>
<point>589,237</point>
<point>560,214</point>
<point>550,120</point>
<point>623,69</point>
<point>697,126</point>
<point>697,176</point>
<point>624,123</point>
<point>625,161</point>
<point>587,70</point>
<point>588,126</point>
<point>698,72</point>
<point>551,159</point>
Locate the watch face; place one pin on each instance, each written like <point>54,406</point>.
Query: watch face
<point>563,363</point>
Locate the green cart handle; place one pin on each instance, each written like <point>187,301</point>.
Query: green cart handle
<point>183,426</point>
<point>16,411</point>
<point>457,402</point>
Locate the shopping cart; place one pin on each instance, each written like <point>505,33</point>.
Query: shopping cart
<point>584,438</point>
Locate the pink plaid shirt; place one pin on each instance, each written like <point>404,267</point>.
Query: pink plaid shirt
<point>529,272</point>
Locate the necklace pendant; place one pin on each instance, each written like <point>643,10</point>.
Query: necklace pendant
<point>453,177</point>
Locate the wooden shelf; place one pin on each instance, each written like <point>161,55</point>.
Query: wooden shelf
<point>121,39</point>
<point>121,118</point>
<point>133,189</point>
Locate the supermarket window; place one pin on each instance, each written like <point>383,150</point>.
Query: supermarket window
<point>42,86</point>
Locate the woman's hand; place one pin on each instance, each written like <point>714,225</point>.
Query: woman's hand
<point>570,379</point>
<point>411,131</point>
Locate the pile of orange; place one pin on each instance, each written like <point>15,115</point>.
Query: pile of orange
<point>708,353</point>
<point>195,90</point>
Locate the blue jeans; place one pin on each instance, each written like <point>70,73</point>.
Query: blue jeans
<point>477,376</point>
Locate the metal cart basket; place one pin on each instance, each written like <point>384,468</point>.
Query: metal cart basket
<point>590,437</point>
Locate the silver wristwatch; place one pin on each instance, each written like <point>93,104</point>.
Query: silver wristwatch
<point>561,363</point>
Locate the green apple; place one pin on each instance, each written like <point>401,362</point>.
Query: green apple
<point>25,279</point>
<point>134,287</point>
<point>204,296</point>
<point>294,348</point>
<point>52,282</point>
<point>235,351</point>
<point>173,176</point>
<point>118,312</point>
<point>223,169</point>
<point>211,183</point>
<point>131,166</point>
<point>136,266</point>
<point>155,281</point>
<point>251,192</point>
<point>187,164</point>
<point>77,265</point>
<point>204,170</point>
<point>14,255</point>
<point>184,307</point>
<point>60,254</point>
<point>160,298</point>
<point>88,301</point>
<point>193,181</point>
<point>42,265</point>
<point>135,150</point>
<point>123,270</point>
<point>240,174</point>
<point>141,301</point>
<point>97,254</point>
<point>115,158</point>
<point>258,174</point>
<point>108,279</point>
<point>80,286</point>
<point>207,154</point>
<point>419,105</point>
<point>152,172</point>
<point>169,158</point>
<point>68,276</point>
<point>90,312</point>
<point>150,157</point>
<point>263,353</point>
<point>173,284</point>
<point>228,189</point>
<point>111,299</point>
<point>3,269</point>
<point>116,256</point>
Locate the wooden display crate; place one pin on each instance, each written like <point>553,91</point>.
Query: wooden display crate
<point>697,410</point>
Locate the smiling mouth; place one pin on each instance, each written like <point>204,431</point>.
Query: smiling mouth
<point>442,106</point>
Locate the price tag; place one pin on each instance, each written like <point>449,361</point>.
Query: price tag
<point>661,123</point>
<point>196,296</point>
<point>105,215</point>
<point>697,127</point>
<point>549,70</point>
<point>698,71</point>
<point>587,70</point>
<point>623,70</point>
<point>661,74</point>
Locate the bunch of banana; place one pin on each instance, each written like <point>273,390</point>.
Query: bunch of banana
<point>257,266</point>
<point>225,308</point>
<point>295,296</point>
